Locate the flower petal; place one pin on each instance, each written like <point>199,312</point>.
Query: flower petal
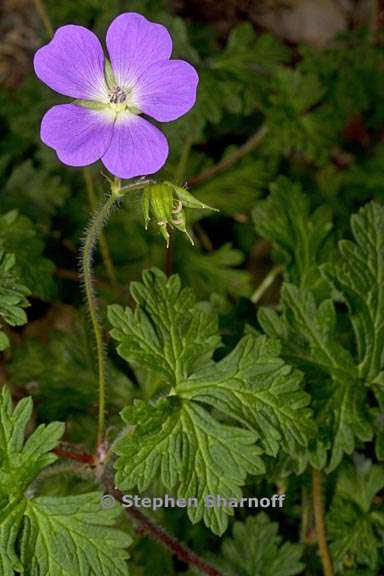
<point>134,43</point>
<point>79,135</point>
<point>137,148</point>
<point>167,89</point>
<point>72,63</point>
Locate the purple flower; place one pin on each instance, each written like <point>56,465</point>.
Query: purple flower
<point>105,121</point>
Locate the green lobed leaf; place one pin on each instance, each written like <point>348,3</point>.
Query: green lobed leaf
<point>338,377</point>
<point>72,535</point>
<point>191,451</point>
<point>358,273</point>
<point>235,191</point>
<point>351,75</point>
<point>236,78</point>
<point>12,296</point>
<point>354,522</point>
<point>59,536</point>
<point>166,332</point>
<point>18,236</point>
<point>310,342</point>
<point>297,122</point>
<point>11,518</point>
<point>299,237</point>
<point>21,462</point>
<point>217,271</point>
<point>194,450</point>
<point>245,48</point>
<point>35,192</point>
<point>255,387</point>
<point>257,548</point>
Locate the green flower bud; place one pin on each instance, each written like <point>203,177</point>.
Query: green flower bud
<point>165,203</point>
<point>187,199</point>
<point>158,202</point>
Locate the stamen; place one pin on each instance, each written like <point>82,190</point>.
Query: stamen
<point>117,95</point>
<point>178,208</point>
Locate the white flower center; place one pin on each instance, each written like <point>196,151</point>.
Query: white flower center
<point>122,100</point>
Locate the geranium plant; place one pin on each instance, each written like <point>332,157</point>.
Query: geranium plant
<point>205,394</point>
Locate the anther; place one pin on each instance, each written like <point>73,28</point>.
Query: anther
<point>178,208</point>
<point>117,95</point>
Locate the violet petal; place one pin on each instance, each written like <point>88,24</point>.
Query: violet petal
<point>167,89</point>
<point>134,43</point>
<point>72,63</point>
<point>137,148</point>
<point>79,135</point>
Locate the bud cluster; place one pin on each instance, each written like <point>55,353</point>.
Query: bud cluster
<point>165,203</point>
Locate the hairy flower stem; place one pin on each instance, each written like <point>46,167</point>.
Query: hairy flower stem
<point>104,248</point>
<point>320,523</point>
<point>92,234</point>
<point>147,526</point>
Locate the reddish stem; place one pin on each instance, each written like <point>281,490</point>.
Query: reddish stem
<point>86,458</point>
<point>146,526</point>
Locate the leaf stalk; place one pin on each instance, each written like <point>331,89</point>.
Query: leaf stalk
<point>320,523</point>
